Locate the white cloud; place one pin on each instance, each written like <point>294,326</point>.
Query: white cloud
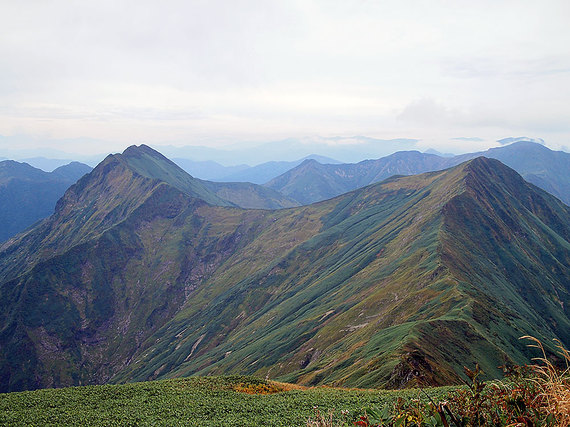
<point>233,70</point>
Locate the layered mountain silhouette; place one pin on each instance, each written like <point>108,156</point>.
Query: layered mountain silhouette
<point>28,194</point>
<point>144,272</point>
<point>312,182</point>
<point>259,174</point>
<point>264,172</point>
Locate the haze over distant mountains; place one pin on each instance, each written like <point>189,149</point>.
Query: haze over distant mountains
<point>144,272</point>
<point>227,163</point>
<point>302,182</point>
<point>259,174</point>
<point>346,149</point>
<point>28,195</point>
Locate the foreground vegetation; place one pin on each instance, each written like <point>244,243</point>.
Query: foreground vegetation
<point>439,270</point>
<point>536,395</point>
<point>211,401</point>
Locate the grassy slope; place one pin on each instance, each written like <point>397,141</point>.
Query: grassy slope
<point>378,281</point>
<point>284,299</point>
<point>193,401</point>
<point>154,165</point>
<point>250,196</point>
<point>547,169</point>
<point>350,291</point>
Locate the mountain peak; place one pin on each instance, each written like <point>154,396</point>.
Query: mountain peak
<point>142,150</point>
<point>483,162</point>
<point>486,172</point>
<point>489,167</point>
<point>412,264</point>
<point>72,171</point>
<point>11,168</point>
<point>150,164</point>
<point>309,162</point>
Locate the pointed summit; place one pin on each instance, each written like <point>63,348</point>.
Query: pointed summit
<point>451,266</point>
<point>139,150</point>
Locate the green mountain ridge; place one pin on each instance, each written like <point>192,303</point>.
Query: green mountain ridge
<point>134,279</point>
<point>312,182</point>
<point>244,195</point>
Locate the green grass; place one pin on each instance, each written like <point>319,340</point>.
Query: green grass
<point>455,265</point>
<point>198,401</point>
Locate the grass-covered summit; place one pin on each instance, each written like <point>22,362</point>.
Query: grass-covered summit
<point>136,277</point>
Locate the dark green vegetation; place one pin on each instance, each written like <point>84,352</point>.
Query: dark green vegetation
<point>144,273</point>
<point>549,170</point>
<point>312,182</point>
<point>28,195</point>
<point>189,402</point>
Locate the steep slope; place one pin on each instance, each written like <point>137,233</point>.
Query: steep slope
<point>114,190</point>
<point>385,289</point>
<point>28,195</point>
<point>90,234</point>
<point>549,170</point>
<point>151,164</point>
<point>403,281</point>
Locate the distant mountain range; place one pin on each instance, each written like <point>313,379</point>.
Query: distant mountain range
<point>259,174</point>
<point>144,272</point>
<point>349,149</point>
<point>28,195</point>
<point>293,183</point>
<point>311,182</point>
<point>208,169</point>
<point>47,164</point>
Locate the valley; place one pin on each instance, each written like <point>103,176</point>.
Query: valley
<point>144,273</point>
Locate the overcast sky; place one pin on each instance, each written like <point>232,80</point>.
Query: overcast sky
<point>456,75</point>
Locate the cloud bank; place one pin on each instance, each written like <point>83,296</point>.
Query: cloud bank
<point>221,72</point>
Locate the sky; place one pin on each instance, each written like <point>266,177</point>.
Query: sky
<point>97,76</point>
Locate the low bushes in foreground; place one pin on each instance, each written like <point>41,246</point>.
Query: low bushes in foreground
<point>535,395</point>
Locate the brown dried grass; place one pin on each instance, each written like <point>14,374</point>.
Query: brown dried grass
<point>554,382</point>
